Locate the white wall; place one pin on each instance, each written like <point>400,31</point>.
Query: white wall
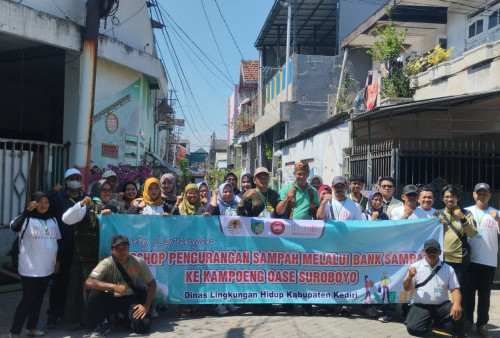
<point>456,33</point>
<point>326,150</point>
<point>133,25</point>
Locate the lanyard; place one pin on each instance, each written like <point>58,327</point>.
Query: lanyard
<point>432,272</point>
<point>479,220</point>
<point>341,207</point>
<point>360,200</point>
<point>262,198</point>
<point>45,227</point>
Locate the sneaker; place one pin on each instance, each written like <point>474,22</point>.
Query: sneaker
<point>384,319</point>
<point>482,330</point>
<point>35,333</point>
<point>101,330</point>
<point>153,312</point>
<point>14,335</point>
<point>221,310</point>
<point>231,308</point>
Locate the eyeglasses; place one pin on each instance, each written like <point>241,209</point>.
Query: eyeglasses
<point>106,191</point>
<point>387,186</point>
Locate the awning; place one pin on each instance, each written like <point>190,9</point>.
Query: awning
<point>163,163</point>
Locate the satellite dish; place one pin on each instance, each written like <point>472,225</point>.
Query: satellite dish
<point>266,71</point>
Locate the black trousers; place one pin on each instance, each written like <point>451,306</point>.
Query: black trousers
<point>33,290</point>
<point>420,315</point>
<point>103,305</point>
<point>59,288</point>
<point>480,280</point>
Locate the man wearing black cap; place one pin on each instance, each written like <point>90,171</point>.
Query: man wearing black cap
<point>339,207</point>
<point>483,259</point>
<point>432,280</point>
<point>387,187</point>
<point>409,209</point>
<point>111,294</point>
<point>356,184</point>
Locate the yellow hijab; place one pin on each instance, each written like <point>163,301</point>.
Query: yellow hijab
<point>186,207</point>
<point>145,196</point>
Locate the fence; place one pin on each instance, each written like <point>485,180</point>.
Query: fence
<point>26,167</point>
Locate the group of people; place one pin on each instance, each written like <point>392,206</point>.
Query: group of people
<point>58,236</point>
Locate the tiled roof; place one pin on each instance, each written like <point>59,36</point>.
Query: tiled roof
<point>249,71</point>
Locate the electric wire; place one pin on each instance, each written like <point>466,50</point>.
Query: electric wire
<point>215,40</point>
<point>160,17</point>
<point>229,30</point>
<point>197,47</point>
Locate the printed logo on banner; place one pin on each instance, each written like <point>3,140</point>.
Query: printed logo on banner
<point>234,226</point>
<point>257,226</point>
<point>277,227</point>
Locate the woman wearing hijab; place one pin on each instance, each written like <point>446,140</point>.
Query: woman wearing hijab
<point>189,203</point>
<point>246,184</point>
<point>151,202</point>
<point>233,180</point>
<point>168,191</point>
<point>324,190</point>
<point>224,201</point>
<point>375,207</point>
<point>85,248</point>
<point>37,233</point>
<point>316,182</point>
<point>127,195</point>
<point>205,193</point>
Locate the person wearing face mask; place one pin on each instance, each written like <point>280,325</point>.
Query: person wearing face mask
<point>86,249</point>
<point>37,235</point>
<point>61,199</point>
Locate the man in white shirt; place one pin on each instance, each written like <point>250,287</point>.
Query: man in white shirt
<point>409,209</point>
<point>483,259</point>
<point>426,201</point>
<point>339,208</point>
<point>432,280</point>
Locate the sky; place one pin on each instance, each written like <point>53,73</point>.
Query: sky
<point>203,61</point>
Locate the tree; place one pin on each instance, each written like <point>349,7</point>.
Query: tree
<point>387,50</point>
<point>185,177</point>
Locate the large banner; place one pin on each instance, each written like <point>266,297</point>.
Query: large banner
<point>203,260</point>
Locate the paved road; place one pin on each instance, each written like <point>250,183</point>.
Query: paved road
<point>249,325</point>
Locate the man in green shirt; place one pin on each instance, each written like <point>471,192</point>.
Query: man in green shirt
<point>298,200</point>
<point>110,294</point>
<point>261,201</point>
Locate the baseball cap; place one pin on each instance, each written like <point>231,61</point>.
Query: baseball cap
<point>410,189</point>
<point>339,179</point>
<point>431,243</point>
<point>72,171</point>
<point>260,170</point>
<point>108,173</point>
<point>480,186</point>
<point>118,239</point>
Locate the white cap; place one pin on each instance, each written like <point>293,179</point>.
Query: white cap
<point>108,173</point>
<point>72,171</point>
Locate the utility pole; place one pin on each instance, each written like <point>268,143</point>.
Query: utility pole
<point>88,63</point>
